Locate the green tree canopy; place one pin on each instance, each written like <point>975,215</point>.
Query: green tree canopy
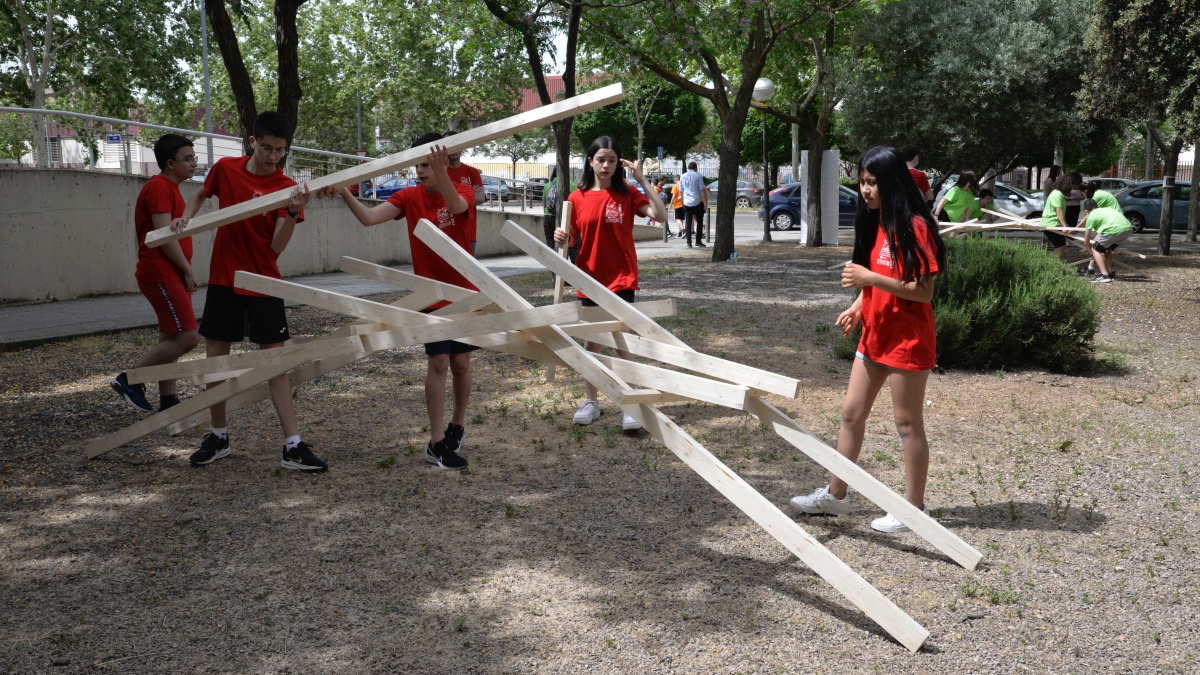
<point>674,121</point>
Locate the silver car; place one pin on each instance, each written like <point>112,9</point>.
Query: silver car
<point>1008,197</point>
<point>494,188</point>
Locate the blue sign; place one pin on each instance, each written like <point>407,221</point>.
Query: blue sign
<point>112,139</point>
<point>660,152</point>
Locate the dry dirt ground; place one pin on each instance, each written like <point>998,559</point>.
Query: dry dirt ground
<point>571,549</point>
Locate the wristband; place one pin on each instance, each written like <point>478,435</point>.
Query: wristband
<point>294,215</point>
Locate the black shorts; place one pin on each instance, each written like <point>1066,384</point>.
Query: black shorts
<point>679,214</point>
<point>230,317</point>
<point>626,295</point>
<point>1056,240</point>
<point>446,346</point>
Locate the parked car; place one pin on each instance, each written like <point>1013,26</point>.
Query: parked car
<point>536,187</point>
<point>1008,197</point>
<point>787,206</point>
<point>494,188</point>
<point>749,193</point>
<point>364,186</point>
<point>1142,205</point>
<point>390,186</point>
<point>1110,184</point>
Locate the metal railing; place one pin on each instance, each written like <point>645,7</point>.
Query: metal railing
<point>84,143</point>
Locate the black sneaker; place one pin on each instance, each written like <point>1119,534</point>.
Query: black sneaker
<point>300,458</point>
<point>455,435</point>
<point>445,458</point>
<point>165,402</point>
<point>700,243</point>
<point>211,449</point>
<point>135,394</point>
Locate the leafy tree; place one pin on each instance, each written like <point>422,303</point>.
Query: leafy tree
<point>718,51</point>
<point>979,85</point>
<point>668,116</point>
<point>105,53</point>
<point>1143,68</point>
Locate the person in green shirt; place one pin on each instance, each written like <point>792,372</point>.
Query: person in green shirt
<point>1054,215</point>
<point>1104,199</point>
<point>1111,228</point>
<point>984,201</point>
<point>956,203</point>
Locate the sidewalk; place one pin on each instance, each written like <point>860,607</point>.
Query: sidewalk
<point>29,325</point>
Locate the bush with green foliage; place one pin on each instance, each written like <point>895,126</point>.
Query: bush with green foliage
<point>1004,304</point>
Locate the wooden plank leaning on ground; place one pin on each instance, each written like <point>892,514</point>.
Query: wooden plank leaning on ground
<point>820,559</point>
<point>559,284</point>
<point>504,128</point>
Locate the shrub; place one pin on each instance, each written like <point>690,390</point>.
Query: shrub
<point>1003,304</point>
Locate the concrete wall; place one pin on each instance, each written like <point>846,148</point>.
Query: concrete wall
<point>68,234</point>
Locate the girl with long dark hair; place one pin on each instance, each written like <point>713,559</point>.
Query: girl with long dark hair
<point>602,213</point>
<point>955,205</point>
<point>897,252</point>
<point>1055,213</point>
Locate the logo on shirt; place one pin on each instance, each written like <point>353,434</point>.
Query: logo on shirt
<point>256,193</point>
<point>885,256</point>
<point>614,214</point>
<point>464,180</point>
<point>444,219</point>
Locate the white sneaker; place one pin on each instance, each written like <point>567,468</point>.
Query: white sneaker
<point>628,423</point>
<point>821,502</point>
<point>588,412</point>
<point>890,523</point>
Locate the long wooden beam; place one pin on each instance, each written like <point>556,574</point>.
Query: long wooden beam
<point>402,279</point>
<point>681,384</point>
<point>867,485</point>
<point>504,128</point>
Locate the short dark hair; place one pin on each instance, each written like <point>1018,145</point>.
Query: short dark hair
<point>427,138</point>
<point>271,123</point>
<point>692,166</point>
<point>167,146</point>
<point>985,193</point>
<point>910,151</point>
<point>1090,205</point>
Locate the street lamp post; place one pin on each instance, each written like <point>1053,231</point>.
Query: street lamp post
<point>763,90</point>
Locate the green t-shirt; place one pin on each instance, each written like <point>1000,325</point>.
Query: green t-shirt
<point>1056,200</point>
<point>1108,221</point>
<point>976,209</point>
<point>958,202</point>
<point>1105,200</point>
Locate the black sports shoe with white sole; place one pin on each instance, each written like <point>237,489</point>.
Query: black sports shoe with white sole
<point>456,437</point>
<point>445,458</point>
<point>211,449</point>
<point>301,458</point>
<point>134,394</point>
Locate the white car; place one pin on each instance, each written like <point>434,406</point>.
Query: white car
<point>1008,197</point>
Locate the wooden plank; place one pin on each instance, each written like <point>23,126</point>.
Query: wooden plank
<point>559,284</point>
<point>820,559</point>
<point>638,322</point>
<point>504,128</point>
<point>508,299</point>
<point>405,280</point>
<point>674,382</point>
<point>651,308</point>
<point>712,366</point>
<point>191,406</point>
<point>867,485</point>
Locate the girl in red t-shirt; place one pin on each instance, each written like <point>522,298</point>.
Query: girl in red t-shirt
<point>602,213</point>
<point>897,252</point>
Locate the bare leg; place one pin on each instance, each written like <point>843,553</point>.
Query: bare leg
<point>1100,261</point>
<point>866,379</point>
<point>590,391</point>
<point>281,397</point>
<point>435,395</point>
<point>170,347</point>
<point>1108,263</point>
<point>216,348</point>
<point>908,405</point>
<point>460,368</point>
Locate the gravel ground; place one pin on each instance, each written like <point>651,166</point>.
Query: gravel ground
<point>570,549</point>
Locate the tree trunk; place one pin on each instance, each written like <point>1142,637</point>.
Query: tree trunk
<point>1194,199</point>
<point>727,175</point>
<point>816,152</point>
<point>239,78</point>
<point>1167,216</point>
<point>286,42</point>
<point>795,146</point>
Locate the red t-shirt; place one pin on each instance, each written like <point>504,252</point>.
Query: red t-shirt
<point>920,179</point>
<point>604,219</point>
<point>467,175</point>
<point>898,332</point>
<point>246,244</point>
<point>418,202</point>
<point>159,195</point>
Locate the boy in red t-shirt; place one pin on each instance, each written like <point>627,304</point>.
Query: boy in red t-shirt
<point>451,207</point>
<point>912,156</point>
<point>253,245</point>
<point>164,274</point>
<point>602,213</point>
<point>465,174</point>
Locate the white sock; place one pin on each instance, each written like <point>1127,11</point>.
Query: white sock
<point>291,441</point>
<point>220,433</point>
